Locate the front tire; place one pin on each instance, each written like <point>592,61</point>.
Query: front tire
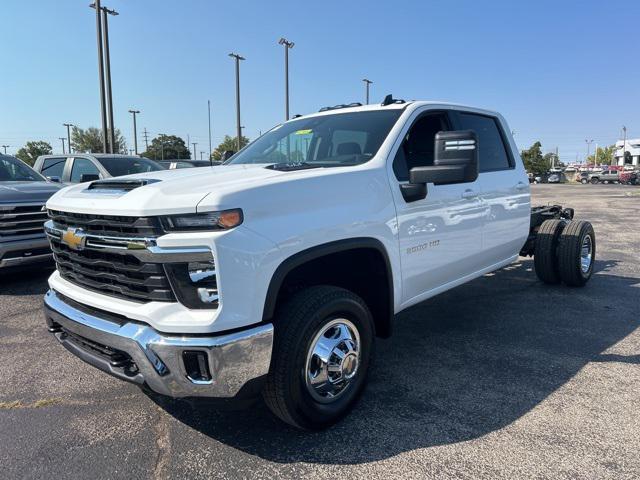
<point>584,181</point>
<point>594,181</point>
<point>577,253</point>
<point>322,349</point>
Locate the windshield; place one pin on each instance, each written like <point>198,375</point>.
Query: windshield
<point>13,170</point>
<point>118,166</point>
<point>334,140</point>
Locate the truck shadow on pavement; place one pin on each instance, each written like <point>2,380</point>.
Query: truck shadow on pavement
<point>459,366</point>
<point>25,281</point>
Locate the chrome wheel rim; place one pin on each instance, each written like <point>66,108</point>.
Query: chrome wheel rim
<point>333,360</point>
<point>586,254</point>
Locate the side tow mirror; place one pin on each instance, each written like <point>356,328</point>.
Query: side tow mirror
<point>53,179</point>
<point>455,160</point>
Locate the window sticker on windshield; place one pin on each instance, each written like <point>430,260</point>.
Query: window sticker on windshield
<point>304,132</point>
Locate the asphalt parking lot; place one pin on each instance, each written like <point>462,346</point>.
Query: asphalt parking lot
<point>501,378</point>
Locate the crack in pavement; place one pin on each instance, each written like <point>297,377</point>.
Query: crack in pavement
<point>163,444</point>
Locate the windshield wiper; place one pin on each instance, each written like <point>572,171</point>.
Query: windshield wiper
<point>290,167</point>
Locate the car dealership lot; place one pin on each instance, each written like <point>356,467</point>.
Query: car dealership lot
<point>512,379</point>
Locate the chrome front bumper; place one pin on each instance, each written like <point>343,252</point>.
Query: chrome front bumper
<point>137,353</point>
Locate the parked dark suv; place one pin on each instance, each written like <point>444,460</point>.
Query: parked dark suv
<point>23,193</point>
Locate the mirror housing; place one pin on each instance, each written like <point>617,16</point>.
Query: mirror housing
<point>89,177</point>
<point>455,160</point>
<point>53,179</point>
<point>227,155</point>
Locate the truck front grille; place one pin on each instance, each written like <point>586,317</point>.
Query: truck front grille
<point>117,274</point>
<point>21,220</point>
<point>109,225</point>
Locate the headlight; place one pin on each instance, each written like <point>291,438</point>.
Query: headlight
<point>194,283</point>
<point>190,222</point>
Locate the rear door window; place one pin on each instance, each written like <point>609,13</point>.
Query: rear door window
<point>82,166</point>
<point>492,152</point>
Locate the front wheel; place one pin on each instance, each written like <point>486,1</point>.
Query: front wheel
<point>322,349</point>
<point>594,181</point>
<point>584,181</point>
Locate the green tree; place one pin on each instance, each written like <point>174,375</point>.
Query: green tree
<point>90,140</point>
<point>33,150</point>
<point>228,144</point>
<point>167,147</point>
<point>604,156</point>
<point>534,161</point>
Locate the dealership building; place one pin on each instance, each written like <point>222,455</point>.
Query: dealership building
<point>633,156</point>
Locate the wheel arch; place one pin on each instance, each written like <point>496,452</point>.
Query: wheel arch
<point>379,296</point>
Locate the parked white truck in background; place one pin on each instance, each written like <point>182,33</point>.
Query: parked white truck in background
<point>274,272</point>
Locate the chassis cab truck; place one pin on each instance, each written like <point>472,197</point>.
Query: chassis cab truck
<point>274,273</point>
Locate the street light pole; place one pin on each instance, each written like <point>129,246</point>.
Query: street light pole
<point>68,125</point>
<point>103,109</point>
<point>63,150</point>
<point>367,83</point>
<point>5,148</point>
<point>287,45</point>
<point>239,130</point>
<point>107,62</point>
<point>588,149</point>
<point>195,152</point>
<point>624,146</point>
<point>135,130</point>
<point>209,111</point>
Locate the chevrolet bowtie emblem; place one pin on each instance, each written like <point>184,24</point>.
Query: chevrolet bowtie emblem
<point>74,238</point>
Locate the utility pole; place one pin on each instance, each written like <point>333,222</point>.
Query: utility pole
<point>209,111</point>
<point>63,150</point>
<point>146,138</point>
<point>103,110</point>
<point>201,154</point>
<point>238,128</point>
<point>195,152</point>
<point>107,62</point>
<point>135,130</point>
<point>589,142</point>
<point>68,125</point>
<point>595,156</point>
<point>287,45</point>
<point>5,148</point>
<point>367,83</point>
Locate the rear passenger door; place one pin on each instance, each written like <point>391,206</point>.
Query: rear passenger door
<point>439,235</point>
<point>504,188</point>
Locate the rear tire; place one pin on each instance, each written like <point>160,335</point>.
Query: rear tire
<point>544,256</point>
<point>303,388</point>
<point>577,253</point>
<point>594,181</point>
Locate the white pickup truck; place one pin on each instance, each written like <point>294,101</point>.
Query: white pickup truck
<point>274,272</point>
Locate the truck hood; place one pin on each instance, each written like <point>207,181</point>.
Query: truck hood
<point>26,192</point>
<point>168,191</point>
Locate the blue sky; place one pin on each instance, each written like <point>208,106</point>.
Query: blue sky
<point>559,71</point>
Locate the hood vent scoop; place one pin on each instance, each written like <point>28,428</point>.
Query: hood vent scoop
<point>115,185</point>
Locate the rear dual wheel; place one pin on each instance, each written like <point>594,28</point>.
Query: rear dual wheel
<point>565,251</point>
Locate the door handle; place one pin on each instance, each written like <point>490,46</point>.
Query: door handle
<point>521,186</point>
<point>469,194</point>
